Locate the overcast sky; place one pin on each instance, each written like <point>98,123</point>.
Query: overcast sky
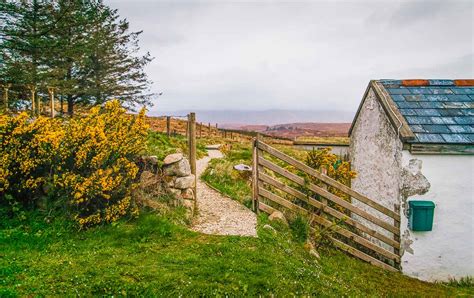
<point>317,55</point>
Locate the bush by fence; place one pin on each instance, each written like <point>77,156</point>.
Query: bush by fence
<point>85,166</point>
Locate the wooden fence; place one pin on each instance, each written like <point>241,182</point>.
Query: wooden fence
<point>375,238</point>
<point>177,125</point>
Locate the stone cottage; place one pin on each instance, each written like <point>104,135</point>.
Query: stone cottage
<point>413,140</point>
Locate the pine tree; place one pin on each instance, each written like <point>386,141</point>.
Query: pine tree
<point>72,19</point>
<point>81,47</point>
<point>25,35</point>
<point>114,70</point>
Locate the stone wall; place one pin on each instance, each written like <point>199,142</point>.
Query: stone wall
<point>179,180</point>
<point>174,178</point>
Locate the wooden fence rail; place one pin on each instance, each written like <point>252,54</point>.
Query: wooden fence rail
<point>374,239</point>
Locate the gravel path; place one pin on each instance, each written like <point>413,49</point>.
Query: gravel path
<point>218,214</point>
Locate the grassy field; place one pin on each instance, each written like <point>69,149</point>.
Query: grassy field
<point>156,255</point>
<point>160,145</point>
<point>323,140</point>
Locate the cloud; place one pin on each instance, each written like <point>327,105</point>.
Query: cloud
<point>294,55</point>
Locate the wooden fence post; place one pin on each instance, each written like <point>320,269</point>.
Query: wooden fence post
<point>396,223</point>
<point>324,171</point>
<point>192,146</point>
<point>168,126</point>
<point>259,167</point>
<point>255,176</point>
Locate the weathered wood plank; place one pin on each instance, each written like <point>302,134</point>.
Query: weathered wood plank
<point>265,208</point>
<point>342,246</point>
<point>327,209</point>
<point>326,223</point>
<point>450,149</point>
<point>255,176</point>
<point>285,173</point>
<point>301,166</point>
<point>357,253</point>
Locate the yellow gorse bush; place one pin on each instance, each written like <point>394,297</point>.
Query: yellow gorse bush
<point>88,162</point>
<point>336,169</point>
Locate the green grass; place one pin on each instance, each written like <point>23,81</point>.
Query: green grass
<point>160,145</point>
<point>157,255</point>
<point>221,174</point>
<point>324,140</point>
<point>152,256</point>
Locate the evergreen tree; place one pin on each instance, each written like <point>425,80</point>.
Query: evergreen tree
<point>81,47</point>
<point>25,32</point>
<point>114,68</point>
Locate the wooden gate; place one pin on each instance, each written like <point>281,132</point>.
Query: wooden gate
<point>281,181</point>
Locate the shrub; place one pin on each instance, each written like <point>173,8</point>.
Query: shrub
<point>300,228</point>
<point>336,169</point>
<point>87,163</point>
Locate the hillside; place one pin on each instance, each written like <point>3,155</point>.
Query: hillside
<point>297,130</point>
<point>265,117</point>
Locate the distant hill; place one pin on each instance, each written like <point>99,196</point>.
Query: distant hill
<point>293,130</point>
<point>267,118</point>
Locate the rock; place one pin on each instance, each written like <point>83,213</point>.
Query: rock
<point>185,182</point>
<point>242,167</point>
<point>180,168</point>
<point>279,217</point>
<point>172,158</point>
<point>309,246</point>
<point>270,228</point>
<point>188,194</point>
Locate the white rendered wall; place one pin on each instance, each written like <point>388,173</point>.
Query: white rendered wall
<point>448,250</point>
<point>375,153</point>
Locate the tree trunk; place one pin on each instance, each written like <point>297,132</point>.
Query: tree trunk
<point>70,105</point>
<point>61,100</point>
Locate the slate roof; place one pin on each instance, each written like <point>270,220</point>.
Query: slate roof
<point>437,111</point>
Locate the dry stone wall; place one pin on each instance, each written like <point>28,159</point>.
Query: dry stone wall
<point>180,182</point>
<point>173,177</point>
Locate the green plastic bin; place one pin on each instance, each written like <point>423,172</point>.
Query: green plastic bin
<point>421,215</point>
